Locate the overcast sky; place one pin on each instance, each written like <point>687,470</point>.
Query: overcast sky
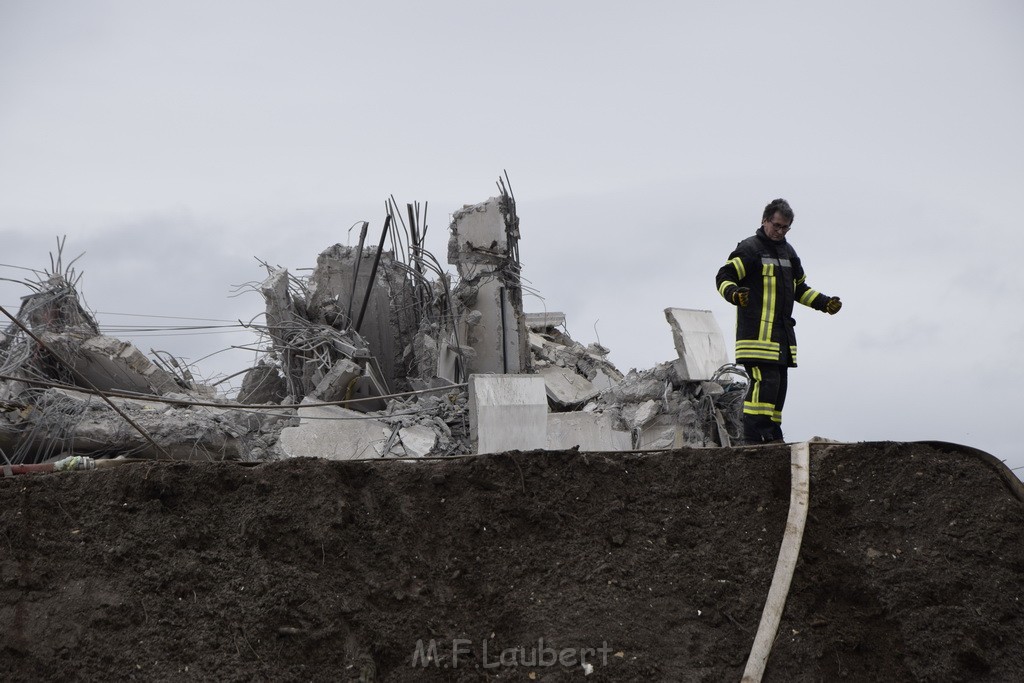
<point>176,142</point>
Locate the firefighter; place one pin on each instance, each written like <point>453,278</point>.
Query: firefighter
<point>763,278</point>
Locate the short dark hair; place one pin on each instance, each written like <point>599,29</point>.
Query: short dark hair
<point>778,206</point>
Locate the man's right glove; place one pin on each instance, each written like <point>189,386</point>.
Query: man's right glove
<point>741,296</point>
<point>833,305</point>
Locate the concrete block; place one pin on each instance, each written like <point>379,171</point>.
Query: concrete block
<point>565,387</point>
<point>646,412</point>
<point>588,431</point>
<point>537,342</point>
<point>542,321</point>
<point>507,412</point>
<point>335,384</point>
<point>417,441</point>
<point>448,360</point>
<point>698,340</point>
<point>334,433</point>
<point>263,384</point>
<point>602,381</point>
<point>478,235</point>
<point>663,431</point>
<point>711,389</point>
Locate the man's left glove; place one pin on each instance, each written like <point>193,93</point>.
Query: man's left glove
<point>833,305</point>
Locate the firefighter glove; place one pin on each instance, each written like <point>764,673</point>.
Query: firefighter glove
<point>833,305</point>
<point>741,296</point>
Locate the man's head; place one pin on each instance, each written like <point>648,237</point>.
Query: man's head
<point>777,219</point>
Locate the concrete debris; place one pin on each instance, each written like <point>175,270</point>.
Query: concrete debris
<point>374,354</point>
<point>507,413</point>
<point>109,363</point>
<point>662,408</point>
<point>573,373</point>
<point>54,423</point>
<point>564,387</point>
<point>263,384</point>
<point>586,431</point>
<point>484,248</point>
<point>547,320</point>
<point>699,342</point>
<point>335,433</point>
<point>308,344</point>
<point>342,278</point>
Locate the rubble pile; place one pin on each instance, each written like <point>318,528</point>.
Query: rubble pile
<point>662,409</point>
<point>67,389</point>
<point>368,356</point>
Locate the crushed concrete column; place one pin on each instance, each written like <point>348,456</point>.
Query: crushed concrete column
<point>389,323</point>
<point>507,413</point>
<point>483,246</point>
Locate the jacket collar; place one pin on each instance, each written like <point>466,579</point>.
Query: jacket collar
<point>760,234</point>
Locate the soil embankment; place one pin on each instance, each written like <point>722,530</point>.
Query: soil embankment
<point>646,566</point>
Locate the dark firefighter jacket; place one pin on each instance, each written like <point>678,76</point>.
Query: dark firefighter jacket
<point>772,271</point>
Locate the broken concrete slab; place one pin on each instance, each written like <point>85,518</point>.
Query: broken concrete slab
<point>507,412</point>
<point>417,441</point>
<point>263,384</point>
<point>646,412</point>
<point>551,347</point>
<point>587,431</point>
<point>601,380</point>
<point>663,431</point>
<point>564,387</point>
<point>337,384</point>
<point>109,363</point>
<point>545,320</point>
<point>334,433</point>
<point>698,340</point>
<point>62,421</point>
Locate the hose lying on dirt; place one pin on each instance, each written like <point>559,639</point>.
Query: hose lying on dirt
<point>799,502</point>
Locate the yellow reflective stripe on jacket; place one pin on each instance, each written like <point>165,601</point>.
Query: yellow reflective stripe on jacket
<point>808,297</point>
<point>751,345</point>
<point>737,263</point>
<point>725,285</point>
<point>748,349</point>
<point>767,302</point>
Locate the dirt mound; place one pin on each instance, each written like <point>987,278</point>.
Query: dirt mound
<point>522,566</point>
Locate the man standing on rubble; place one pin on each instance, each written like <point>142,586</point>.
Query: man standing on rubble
<point>763,278</point>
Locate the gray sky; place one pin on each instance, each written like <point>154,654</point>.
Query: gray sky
<point>174,142</point>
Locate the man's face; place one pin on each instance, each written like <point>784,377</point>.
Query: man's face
<point>776,227</point>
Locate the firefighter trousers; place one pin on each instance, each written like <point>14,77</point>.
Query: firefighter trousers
<point>762,405</point>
